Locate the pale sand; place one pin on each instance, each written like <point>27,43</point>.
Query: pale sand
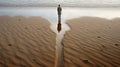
<point>92,42</point>
<point>26,42</point>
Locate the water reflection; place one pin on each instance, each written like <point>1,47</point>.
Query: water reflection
<point>67,13</point>
<point>59,26</point>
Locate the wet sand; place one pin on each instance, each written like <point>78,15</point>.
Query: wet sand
<point>92,42</point>
<point>26,42</point>
<point>29,42</point>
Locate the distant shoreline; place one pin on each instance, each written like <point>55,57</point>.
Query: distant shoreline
<point>55,5</point>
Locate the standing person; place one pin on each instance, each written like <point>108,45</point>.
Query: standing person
<point>59,10</point>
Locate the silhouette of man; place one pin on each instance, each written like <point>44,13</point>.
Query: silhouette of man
<point>59,9</point>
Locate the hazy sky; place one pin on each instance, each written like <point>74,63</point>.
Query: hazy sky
<point>60,1</point>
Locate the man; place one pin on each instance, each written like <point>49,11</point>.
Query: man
<point>59,9</point>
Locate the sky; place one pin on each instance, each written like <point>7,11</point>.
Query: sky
<point>113,2</point>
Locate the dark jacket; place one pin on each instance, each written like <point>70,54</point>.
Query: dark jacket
<point>59,9</point>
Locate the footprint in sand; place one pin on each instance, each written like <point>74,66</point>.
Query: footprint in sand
<point>9,44</point>
<point>98,37</point>
<point>116,44</point>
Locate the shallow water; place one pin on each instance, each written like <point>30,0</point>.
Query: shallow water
<point>67,13</point>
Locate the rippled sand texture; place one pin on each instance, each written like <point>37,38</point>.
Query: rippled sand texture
<point>92,42</point>
<point>26,42</point>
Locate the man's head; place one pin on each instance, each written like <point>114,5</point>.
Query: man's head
<point>59,5</point>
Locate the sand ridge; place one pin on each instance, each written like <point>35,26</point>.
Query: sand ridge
<point>92,42</point>
<point>26,42</point>
<point>29,42</point>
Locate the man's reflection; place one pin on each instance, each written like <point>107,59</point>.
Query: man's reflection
<point>59,26</point>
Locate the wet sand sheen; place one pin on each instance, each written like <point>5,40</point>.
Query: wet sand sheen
<point>59,61</point>
<point>61,28</point>
<point>26,42</point>
<point>92,42</point>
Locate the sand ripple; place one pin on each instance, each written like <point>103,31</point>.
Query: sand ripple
<point>92,42</point>
<point>26,42</point>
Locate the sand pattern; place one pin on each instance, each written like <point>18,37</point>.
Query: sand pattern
<point>92,42</point>
<point>26,42</point>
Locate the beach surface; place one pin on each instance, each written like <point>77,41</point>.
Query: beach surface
<point>26,42</point>
<point>29,42</point>
<point>92,42</point>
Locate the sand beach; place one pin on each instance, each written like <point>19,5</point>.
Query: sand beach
<point>92,42</point>
<point>26,42</point>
